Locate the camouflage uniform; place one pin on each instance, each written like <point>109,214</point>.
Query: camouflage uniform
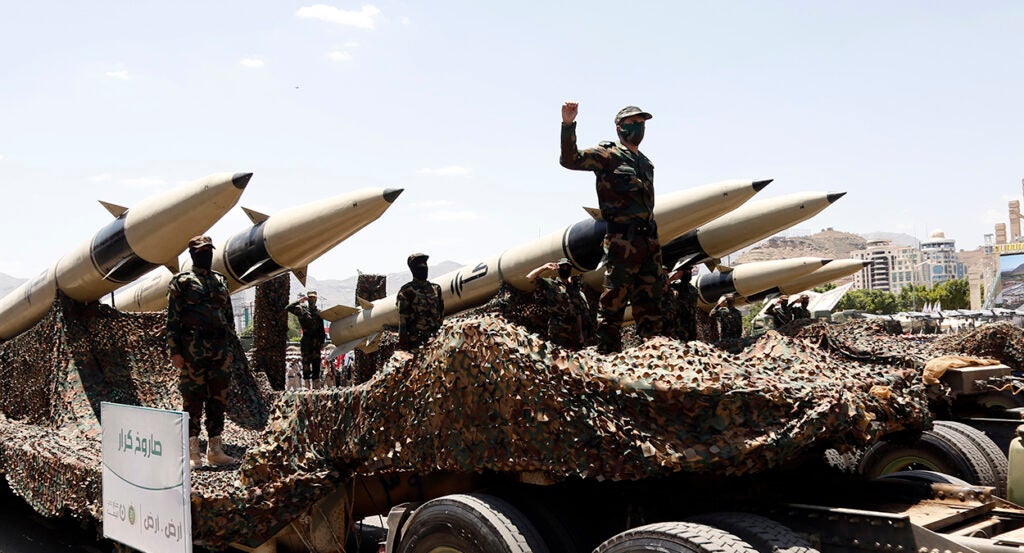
<point>679,311</point>
<point>200,328</point>
<point>420,310</point>
<point>568,311</point>
<point>729,321</point>
<point>781,313</point>
<point>632,253</point>
<point>799,312</point>
<point>313,337</point>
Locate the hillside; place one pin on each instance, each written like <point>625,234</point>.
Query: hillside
<point>827,243</point>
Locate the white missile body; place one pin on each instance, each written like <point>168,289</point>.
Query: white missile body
<point>837,269</point>
<point>150,234</point>
<point>474,284</point>
<point>286,241</point>
<point>750,278</point>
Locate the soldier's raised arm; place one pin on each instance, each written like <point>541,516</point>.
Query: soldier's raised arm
<point>571,157</point>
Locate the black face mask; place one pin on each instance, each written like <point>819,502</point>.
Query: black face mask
<point>565,271</point>
<point>420,272</point>
<point>202,258</point>
<point>631,133</point>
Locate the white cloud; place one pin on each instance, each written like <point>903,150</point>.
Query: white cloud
<point>454,216</point>
<point>143,182</point>
<point>405,20</point>
<point>449,171</point>
<point>95,179</point>
<point>122,74</point>
<point>363,19</point>
<point>252,63</point>
<point>340,55</point>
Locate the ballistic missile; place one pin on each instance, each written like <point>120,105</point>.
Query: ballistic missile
<point>475,283</point>
<point>286,241</point>
<point>750,278</point>
<point>837,269</point>
<point>150,234</point>
<point>737,229</point>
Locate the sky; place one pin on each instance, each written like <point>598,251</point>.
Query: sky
<point>913,108</point>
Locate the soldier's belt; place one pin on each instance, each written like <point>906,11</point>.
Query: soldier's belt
<point>633,229</point>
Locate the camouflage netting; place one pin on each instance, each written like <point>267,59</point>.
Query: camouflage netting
<point>485,395</point>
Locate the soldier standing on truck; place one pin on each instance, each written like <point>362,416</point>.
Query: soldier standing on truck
<point>799,309</point>
<point>727,319</point>
<point>313,336</point>
<point>780,311</point>
<point>568,311</point>
<point>420,306</point>
<point>625,194</point>
<point>200,328</point>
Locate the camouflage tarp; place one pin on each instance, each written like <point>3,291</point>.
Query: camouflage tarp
<point>485,395</point>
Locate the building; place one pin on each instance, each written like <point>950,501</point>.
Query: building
<point>940,260</point>
<point>892,266</point>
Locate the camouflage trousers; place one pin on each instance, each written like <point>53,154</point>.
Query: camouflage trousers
<point>310,350</point>
<point>633,274</point>
<point>203,382</point>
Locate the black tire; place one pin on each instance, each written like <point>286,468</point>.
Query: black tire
<point>470,523</point>
<point>925,476</point>
<point>765,534</point>
<point>675,537</point>
<point>995,456</point>
<point>944,452</point>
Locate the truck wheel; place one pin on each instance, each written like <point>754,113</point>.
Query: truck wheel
<point>765,534</point>
<point>995,456</point>
<point>469,523</point>
<point>675,537</point>
<point>947,453</point>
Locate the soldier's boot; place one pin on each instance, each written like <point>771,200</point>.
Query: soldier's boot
<point>195,457</point>
<point>216,456</point>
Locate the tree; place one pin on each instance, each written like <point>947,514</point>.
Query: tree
<point>824,287</point>
<point>748,317</point>
<point>872,301</point>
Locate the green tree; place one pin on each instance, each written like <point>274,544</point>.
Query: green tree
<point>749,315</point>
<point>824,287</point>
<point>878,302</point>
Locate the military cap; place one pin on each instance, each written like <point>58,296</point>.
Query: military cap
<point>199,242</point>
<point>729,296</point>
<point>564,261</point>
<point>783,297</point>
<point>630,111</point>
<point>417,259</point>
<point>805,297</point>
<point>310,292</point>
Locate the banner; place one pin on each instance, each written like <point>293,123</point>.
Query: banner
<point>146,486</point>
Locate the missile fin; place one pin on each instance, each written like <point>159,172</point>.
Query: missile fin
<point>114,209</point>
<point>338,312</point>
<point>300,273</point>
<point>593,212</point>
<point>365,304</point>
<point>255,216</point>
<point>114,269</point>
<point>712,263</point>
<point>371,344</point>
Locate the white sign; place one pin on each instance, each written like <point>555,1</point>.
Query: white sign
<point>146,487</point>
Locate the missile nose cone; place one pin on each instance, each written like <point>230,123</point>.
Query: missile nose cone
<point>240,180</point>
<point>867,263</point>
<point>825,262</point>
<point>835,196</point>
<point>391,193</point>
<point>759,184</point>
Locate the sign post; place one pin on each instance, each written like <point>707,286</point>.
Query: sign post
<point>146,486</point>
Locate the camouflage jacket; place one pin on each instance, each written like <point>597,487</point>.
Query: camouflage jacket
<point>198,302</point>
<point>799,312</point>
<point>679,311</point>
<point>625,181</point>
<point>420,310</point>
<point>567,308</point>
<point>729,321</point>
<point>782,314</point>
<point>309,319</point>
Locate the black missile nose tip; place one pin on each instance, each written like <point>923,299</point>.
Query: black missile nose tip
<point>240,180</point>
<point>835,196</point>
<point>825,262</point>
<point>867,263</point>
<point>760,184</point>
<point>391,193</point>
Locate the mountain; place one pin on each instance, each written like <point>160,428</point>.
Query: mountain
<point>897,238</point>
<point>827,243</point>
<point>9,283</point>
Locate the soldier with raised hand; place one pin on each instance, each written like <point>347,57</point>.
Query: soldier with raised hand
<point>679,305</point>
<point>200,330</point>
<point>313,336</point>
<point>420,306</point>
<point>625,194</point>
<point>727,318</point>
<point>568,311</point>
<point>780,311</point>
<point>799,309</point>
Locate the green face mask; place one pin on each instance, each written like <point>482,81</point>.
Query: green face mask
<point>632,133</point>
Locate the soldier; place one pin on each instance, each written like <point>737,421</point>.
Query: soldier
<point>313,336</point>
<point>200,330</point>
<point>679,306</point>
<point>420,306</point>
<point>799,309</point>
<point>727,318</point>
<point>625,194</point>
<point>780,311</point>
<point>568,311</point>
